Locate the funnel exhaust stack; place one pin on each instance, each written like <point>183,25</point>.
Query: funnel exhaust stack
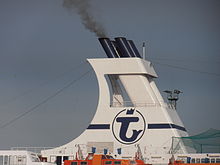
<point>108,47</point>
<point>119,48</point>
<point>124,47</point>
<point>134,48</point>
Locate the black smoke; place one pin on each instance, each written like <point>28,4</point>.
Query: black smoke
<point>82,7</point>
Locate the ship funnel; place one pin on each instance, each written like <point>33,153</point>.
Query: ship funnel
<point>108,47</point>
<point>134,48</point>
<point>124,47</point>
<point>119,48</point>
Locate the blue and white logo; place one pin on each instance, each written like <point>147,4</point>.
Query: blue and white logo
<point>128,126</point>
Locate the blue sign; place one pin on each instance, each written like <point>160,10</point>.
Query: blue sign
<point>128,126</point>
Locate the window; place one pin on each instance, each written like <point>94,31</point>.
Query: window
<point>74,163</point>
<point>193,160</point>
<point>203,160</point>
<point>207,160</point>
<point>59,160</point>
<point>13,159</point>
<point>21,160</point>
<point>197,160</point>
<point>217,160</point>
<point>108,162</point>
<point>6,160</point>
<point>83,163</point>
<point>212,160</point>
<point>65,158</point>
<point>117,162</point>
<point>1,160</point>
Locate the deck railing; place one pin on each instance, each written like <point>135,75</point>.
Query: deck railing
<point>140,104</point>
<point>32,149</point>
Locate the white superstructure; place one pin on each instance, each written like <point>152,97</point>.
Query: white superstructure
<point>131,114</point>
<point>12,157</point>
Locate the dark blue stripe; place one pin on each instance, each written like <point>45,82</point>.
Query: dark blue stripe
<point>150,126</point>
<point>99,126</point>
<point>165,126</point>
<point>179,127</point>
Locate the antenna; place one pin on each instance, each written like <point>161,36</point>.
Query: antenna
<point>144,51</point>
<point>173,97</point>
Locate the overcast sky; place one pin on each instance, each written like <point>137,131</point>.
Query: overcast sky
<point>43,47</point>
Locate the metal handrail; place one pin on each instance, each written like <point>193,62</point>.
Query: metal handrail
<point>32,149</point>
<point>140,104</point>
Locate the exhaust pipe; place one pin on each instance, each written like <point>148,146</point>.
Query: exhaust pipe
<point>117,50</point>
<point>123,46</point>
<point>108,47</point>
<point>134,48</point>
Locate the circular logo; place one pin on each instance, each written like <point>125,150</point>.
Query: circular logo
<point>128,126</point>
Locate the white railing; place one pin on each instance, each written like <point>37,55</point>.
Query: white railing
<point>140,104</point>
<point>32,149</point>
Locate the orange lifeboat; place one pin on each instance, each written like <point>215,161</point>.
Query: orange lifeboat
<point>179,162</point>
<point>95,159</point>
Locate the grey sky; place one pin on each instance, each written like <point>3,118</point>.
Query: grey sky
<point>40,40</point>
